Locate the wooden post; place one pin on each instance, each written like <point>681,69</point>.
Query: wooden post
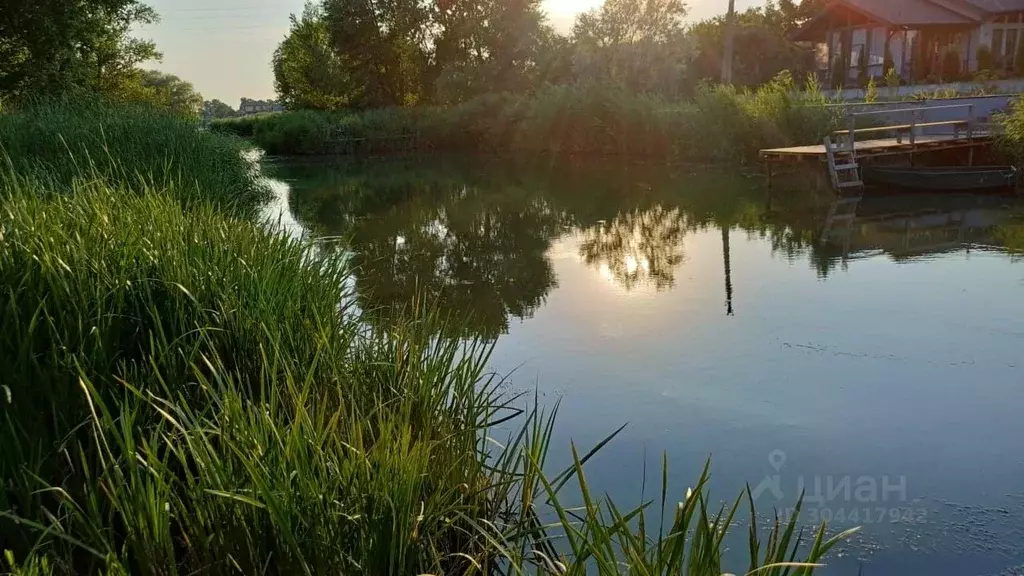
<point>728,270</point>
<point>730,33</point>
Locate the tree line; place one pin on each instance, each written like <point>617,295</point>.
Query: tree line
<point>76,48</point>
<point>345,54</point>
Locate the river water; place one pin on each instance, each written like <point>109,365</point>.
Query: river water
<point>874,361</point>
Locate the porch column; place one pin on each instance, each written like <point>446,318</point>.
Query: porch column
<point>829,40</point>
<point>903,55</point>
<point>868,45</point>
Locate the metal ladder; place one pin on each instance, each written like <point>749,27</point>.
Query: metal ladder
<point>842,164</point>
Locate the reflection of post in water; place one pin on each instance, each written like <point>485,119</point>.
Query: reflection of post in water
<point>728,271</point>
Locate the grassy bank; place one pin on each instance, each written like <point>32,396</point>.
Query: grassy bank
<point>719,125</point>
<point>130,147</point>
<point>185,392</point>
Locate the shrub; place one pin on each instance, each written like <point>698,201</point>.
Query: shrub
<point>892,78</point>
<point>838,72</point>
<point>986,60</point>
<point>1018,61</point>
<point>950,65</point>
<point>241,126</point>
<point>130,147</point>
<point>1010,138</point>
<point>871,93</point>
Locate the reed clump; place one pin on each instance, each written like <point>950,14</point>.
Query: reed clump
<point>130,147</point>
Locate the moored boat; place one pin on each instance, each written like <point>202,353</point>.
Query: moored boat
<point>945,178</point>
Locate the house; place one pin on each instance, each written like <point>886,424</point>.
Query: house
<point>914,37</point>
<point>259,106</point>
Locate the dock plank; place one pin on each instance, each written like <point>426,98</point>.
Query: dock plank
<point>882,146</point>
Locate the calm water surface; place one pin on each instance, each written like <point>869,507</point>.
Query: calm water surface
<point>874,361</point>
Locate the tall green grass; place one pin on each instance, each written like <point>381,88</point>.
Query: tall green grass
<point>130,147</point>
<point>718,125</point>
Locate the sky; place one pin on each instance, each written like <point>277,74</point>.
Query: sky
<point>224,47</point>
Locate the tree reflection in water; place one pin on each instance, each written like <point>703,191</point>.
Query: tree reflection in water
<point>472,239</point>
<point>477,254</point>
<point>638,247</point>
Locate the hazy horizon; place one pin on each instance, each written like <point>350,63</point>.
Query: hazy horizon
<point>224,47</point>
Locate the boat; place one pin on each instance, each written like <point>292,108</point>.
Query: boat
<point>945,178</point>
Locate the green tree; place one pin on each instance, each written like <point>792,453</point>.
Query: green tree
<point>170,92</point>
<point>762,48</point>
<point>58,46</point>
<point>217,109</point>
<point>308,73</point>
<point>489,46</point>
<point>619,22</point>
<point>639,45</point>
<point>383,45</point>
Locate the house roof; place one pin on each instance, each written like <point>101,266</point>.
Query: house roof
<point>965,7</point>
<point>997,6</point>
<point>910,13</point>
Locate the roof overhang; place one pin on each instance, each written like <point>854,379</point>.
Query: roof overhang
<point>840,14</point>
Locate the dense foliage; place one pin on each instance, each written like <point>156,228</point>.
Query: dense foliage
<point>57,46</point>
<point>718,124</point>
<point>84,49</point>
<point>352,54</point>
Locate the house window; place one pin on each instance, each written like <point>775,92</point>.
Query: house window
<point>1007,35</point>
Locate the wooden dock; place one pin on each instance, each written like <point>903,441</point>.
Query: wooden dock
<point>844,150</point>
<point>882,147</point>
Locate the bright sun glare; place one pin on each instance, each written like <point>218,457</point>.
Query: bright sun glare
<point>570,7</point>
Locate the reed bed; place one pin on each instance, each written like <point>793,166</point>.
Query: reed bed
<point>130,147</point>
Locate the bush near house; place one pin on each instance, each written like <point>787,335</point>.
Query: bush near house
<point>985,59</point>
